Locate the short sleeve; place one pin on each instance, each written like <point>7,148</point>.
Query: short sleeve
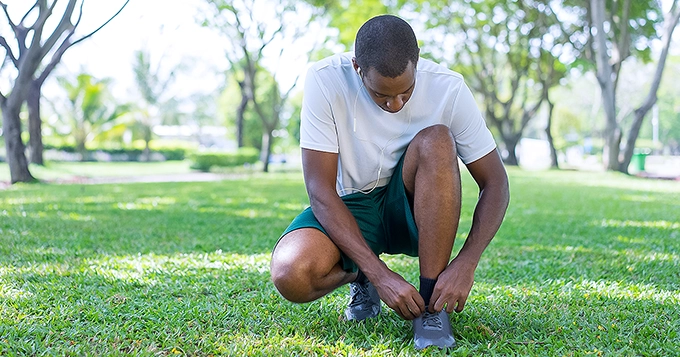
<point>317,124</point>
<point>473,138</point>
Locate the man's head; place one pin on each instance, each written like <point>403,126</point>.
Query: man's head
<point>386,54</point>
<point>387,44</point>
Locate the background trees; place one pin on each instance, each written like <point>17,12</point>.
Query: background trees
<point>90,109</point>
<point>612,32</point>
<point>275,27</point>
<point>37,39</point>
<point>532,66</point>
<point>509,54</point>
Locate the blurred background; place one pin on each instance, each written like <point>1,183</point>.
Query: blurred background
<point>209,84</point>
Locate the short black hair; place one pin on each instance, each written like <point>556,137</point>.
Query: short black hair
<point>386,43</point>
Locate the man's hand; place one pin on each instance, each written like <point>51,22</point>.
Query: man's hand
<point>399,295</point>
<point>453,286</point>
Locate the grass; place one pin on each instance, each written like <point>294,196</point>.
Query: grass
<point>57,170</point>
<point>585,264</point>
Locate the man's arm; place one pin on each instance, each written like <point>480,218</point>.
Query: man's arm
<point>320,170</point>
<point>455,282</point>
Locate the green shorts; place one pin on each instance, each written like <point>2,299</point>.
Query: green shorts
<point>384,216</point>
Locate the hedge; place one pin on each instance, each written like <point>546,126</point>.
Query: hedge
<point>133,154</point>
<point>204,161</point>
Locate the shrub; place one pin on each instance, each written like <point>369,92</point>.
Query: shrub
<point>204,161</point>
<point>169,150</point>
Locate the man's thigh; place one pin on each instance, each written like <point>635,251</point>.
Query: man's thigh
<point>366,212</point>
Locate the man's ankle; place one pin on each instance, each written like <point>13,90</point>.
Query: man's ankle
<point>426,289</point>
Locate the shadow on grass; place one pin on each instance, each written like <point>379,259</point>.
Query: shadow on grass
<point>232,216</point>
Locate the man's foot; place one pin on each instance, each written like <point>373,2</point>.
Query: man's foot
<point>433,329</point>
<point>364,301</point>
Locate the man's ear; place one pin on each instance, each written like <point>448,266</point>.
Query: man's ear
<point>356,66</point>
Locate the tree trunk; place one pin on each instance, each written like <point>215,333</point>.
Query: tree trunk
<point>266,152</point>
<point>82,150</point>
<point>511,146</point>
<point>604,77</point>
<point>548,132</point>
<point>146,153</point>
<point>16,156</point>
<point>240,110</point>
<point>670,22</point>
<point>35,143</point>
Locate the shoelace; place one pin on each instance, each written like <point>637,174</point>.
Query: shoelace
<point>359,294</point>
<point>432,321</point>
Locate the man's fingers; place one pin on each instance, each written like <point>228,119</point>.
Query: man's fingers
<point>461,305</point>
<point>438,304</point>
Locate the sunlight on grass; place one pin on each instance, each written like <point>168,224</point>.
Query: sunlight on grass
<point>619,290</point>
<point>7,292</point>
<point>246,344</point>
<point>584,264</point>
<point>647,256</point>
<point>147,203</point>
<point>146,267</point>
<point>641,224</point>
<point>580,289</point>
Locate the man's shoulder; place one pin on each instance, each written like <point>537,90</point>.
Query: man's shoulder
<point>336,62</point>
<point>438,70</point>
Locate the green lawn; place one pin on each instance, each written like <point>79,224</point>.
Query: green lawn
<point>585,264</point>
<point>70,170</point>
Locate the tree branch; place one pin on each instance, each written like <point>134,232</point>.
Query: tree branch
<point>10,54</point>
<point>56,58</point>
<point>9,19</point>
<point>64,24</point>
<point>100,27</point>
<point>29,11</point>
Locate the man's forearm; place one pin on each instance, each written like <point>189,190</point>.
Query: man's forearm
<point>344,231</point>
<point>487,219</point>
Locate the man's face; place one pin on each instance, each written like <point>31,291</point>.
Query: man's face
<point>390,94</point>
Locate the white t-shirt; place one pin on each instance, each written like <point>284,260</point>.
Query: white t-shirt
<point>339,116</point>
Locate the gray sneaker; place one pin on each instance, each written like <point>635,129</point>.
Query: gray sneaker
<point>433,329</point>
<point>364,301</point>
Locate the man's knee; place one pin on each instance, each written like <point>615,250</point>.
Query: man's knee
<point>291,274</point>
<point>302,263</point>
<point>435,139</point>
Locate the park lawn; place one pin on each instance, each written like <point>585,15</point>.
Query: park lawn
<point>584,264</point>
<point>58,170</point>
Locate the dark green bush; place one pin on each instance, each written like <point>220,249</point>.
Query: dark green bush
<point>133,153</point>
<point>203,161</point>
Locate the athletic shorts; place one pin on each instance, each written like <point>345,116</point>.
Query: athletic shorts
<point>383,215</point>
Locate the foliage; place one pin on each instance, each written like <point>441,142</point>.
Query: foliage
<point>608,33</point>
<point>230,98</point>
<point>204,161</point>
<point>158,105</point>
<point>584,264</point>
<point>254,28</point>
<point>91,109</point>
<point>34,42</point>
<point>509,54</point>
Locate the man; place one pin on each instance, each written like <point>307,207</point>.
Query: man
<point>380,136</point>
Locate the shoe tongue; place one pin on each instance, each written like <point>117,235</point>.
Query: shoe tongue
<point>432,321</point>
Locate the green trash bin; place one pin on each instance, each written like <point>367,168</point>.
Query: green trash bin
<point>638,161</point>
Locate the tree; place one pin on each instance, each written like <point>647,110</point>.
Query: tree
<point>622,29</point>
<point>91,108</point>
<point>34,42</point>
<point>159,106</point>
<point>509,53</point>
<point>252,29</point>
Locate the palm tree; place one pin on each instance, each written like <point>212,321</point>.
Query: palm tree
<point>158,105</point>
<point>91,109</point>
